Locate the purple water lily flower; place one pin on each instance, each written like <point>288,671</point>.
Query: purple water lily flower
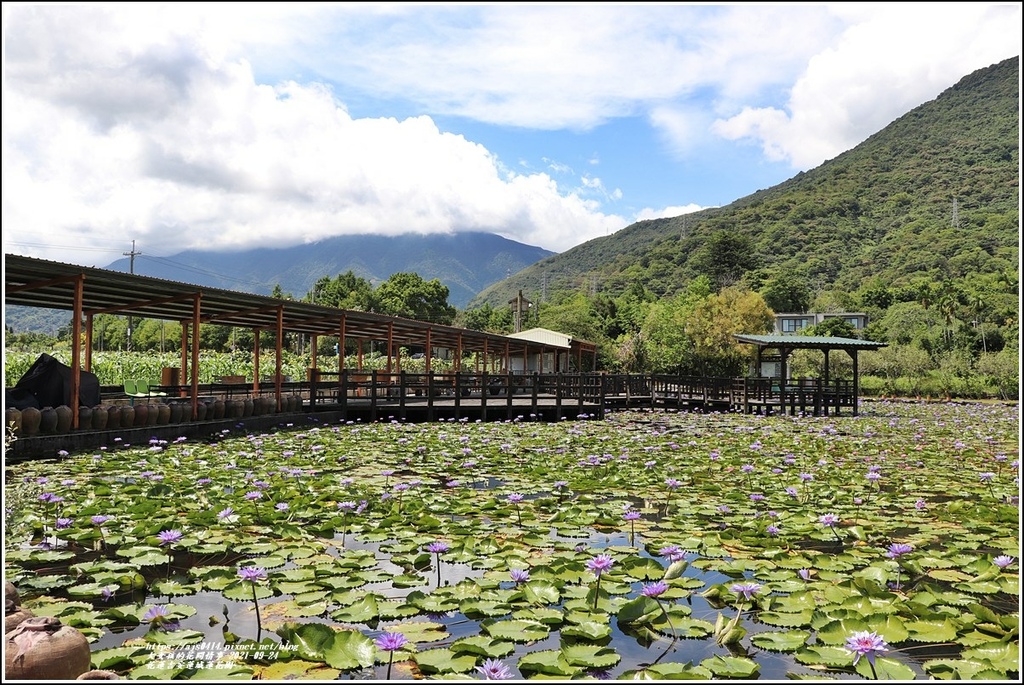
<point>390,642</point>
<point>252,574</point>
<point>654,589</point>
<point>495,669</point>
<point>866,644</point>
<point>898,549</point>
<point>168,537</point>
<point>748,590</point>
<point>519,575</point>
<point>1003,561</point>
<point>828,520</point>
<point>99,519</point>
<point>155,614</point>
<point>600,564</point>
<point>438,547</point>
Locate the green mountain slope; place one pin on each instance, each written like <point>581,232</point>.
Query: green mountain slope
<point>935,194</point>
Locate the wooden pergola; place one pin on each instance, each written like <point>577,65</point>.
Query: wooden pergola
<point>786,344</point>
<point>89,291</point>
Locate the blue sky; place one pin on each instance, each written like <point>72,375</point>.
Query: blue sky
<point>221,126</point>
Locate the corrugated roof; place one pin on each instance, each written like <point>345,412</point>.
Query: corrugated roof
<point>813,342</point>
<point>544,336</point>
<point>35,282</point>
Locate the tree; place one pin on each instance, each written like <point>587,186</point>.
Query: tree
<point>725,257</point>
<point>714,321</point>
<point>834,327</point>
<point>345,291</point>
<point>409,296</point>
<point>787,292</point>
<point>486,318</point>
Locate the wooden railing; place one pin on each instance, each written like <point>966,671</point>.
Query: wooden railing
<point>597,391</point>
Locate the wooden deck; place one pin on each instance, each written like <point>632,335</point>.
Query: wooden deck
<point>381,396</point>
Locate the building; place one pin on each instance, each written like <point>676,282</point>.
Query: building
<point>793,324</point>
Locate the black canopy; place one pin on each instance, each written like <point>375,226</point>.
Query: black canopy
<point>47,383</point>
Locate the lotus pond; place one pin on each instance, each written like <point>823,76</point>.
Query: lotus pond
<point>648,545</point>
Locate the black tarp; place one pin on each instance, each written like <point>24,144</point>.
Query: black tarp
<point>47,383</point>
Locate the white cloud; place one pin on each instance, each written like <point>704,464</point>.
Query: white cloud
<point>890,59</point>
<point>196,125</point>
<point>647,214</point>
<point>199,155</point>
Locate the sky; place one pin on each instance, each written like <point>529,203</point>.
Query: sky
<point>163,127</point>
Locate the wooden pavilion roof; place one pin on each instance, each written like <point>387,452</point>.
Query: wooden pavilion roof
<point>46,284</point>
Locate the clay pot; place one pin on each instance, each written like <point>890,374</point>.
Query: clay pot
<point>48,422</point>
<point>163,413</point>
<point>43,648</point>
<point>177,412</point>
<point>201,411</point>
<point>113,417</point>
<point>153,417</point>
<point>12,420</point>
<point>233,409</point>
<point>85,418</point>
<point>100,417</point>
<point>127,415</point>
<point>219,409</point>
<point>31,417</point>
<point>14,617</point>
<point>247,407</point>
<point>141,415</point>
<point>65,417</point>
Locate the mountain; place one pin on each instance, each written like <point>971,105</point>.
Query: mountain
<point>465,262</point>
<point>933,195</point>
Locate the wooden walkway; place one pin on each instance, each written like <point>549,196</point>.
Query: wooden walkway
<point>381,396</point>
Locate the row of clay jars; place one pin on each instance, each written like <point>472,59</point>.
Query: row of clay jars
<point>43,648</point>
<point>31,421</point>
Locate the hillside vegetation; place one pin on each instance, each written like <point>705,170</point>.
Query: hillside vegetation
<point>934,195</point>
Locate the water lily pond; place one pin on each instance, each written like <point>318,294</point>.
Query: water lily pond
<point>650,545</point>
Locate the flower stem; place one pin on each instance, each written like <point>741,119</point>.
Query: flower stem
<point>668,619</point>
<point>259,623</point>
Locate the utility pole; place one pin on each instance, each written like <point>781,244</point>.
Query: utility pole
<point>519,305</point>
<point>131,269</point>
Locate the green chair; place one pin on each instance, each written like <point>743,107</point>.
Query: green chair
<point>152,387</point>
<point>133,391</point>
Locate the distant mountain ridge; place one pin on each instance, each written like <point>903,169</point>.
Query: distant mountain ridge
<point>466,263</point>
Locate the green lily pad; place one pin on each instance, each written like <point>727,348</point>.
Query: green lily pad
<point>444,660</point>
<point>516,630</point>
<point>781,642</point>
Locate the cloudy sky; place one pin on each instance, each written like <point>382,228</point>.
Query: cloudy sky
<point>225,126</point>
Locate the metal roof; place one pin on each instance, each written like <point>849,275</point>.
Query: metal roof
<point>811,342</point>
<point>545,337</point>
<point>40,283</point>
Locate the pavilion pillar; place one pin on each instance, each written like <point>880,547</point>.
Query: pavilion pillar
<point>196,312</point>
<point>856,380</point>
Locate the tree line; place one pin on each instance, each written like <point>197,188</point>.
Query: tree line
<point>956,338</point>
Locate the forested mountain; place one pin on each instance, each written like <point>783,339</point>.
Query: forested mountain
<point>934,196</point>
<point>464,262</point>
